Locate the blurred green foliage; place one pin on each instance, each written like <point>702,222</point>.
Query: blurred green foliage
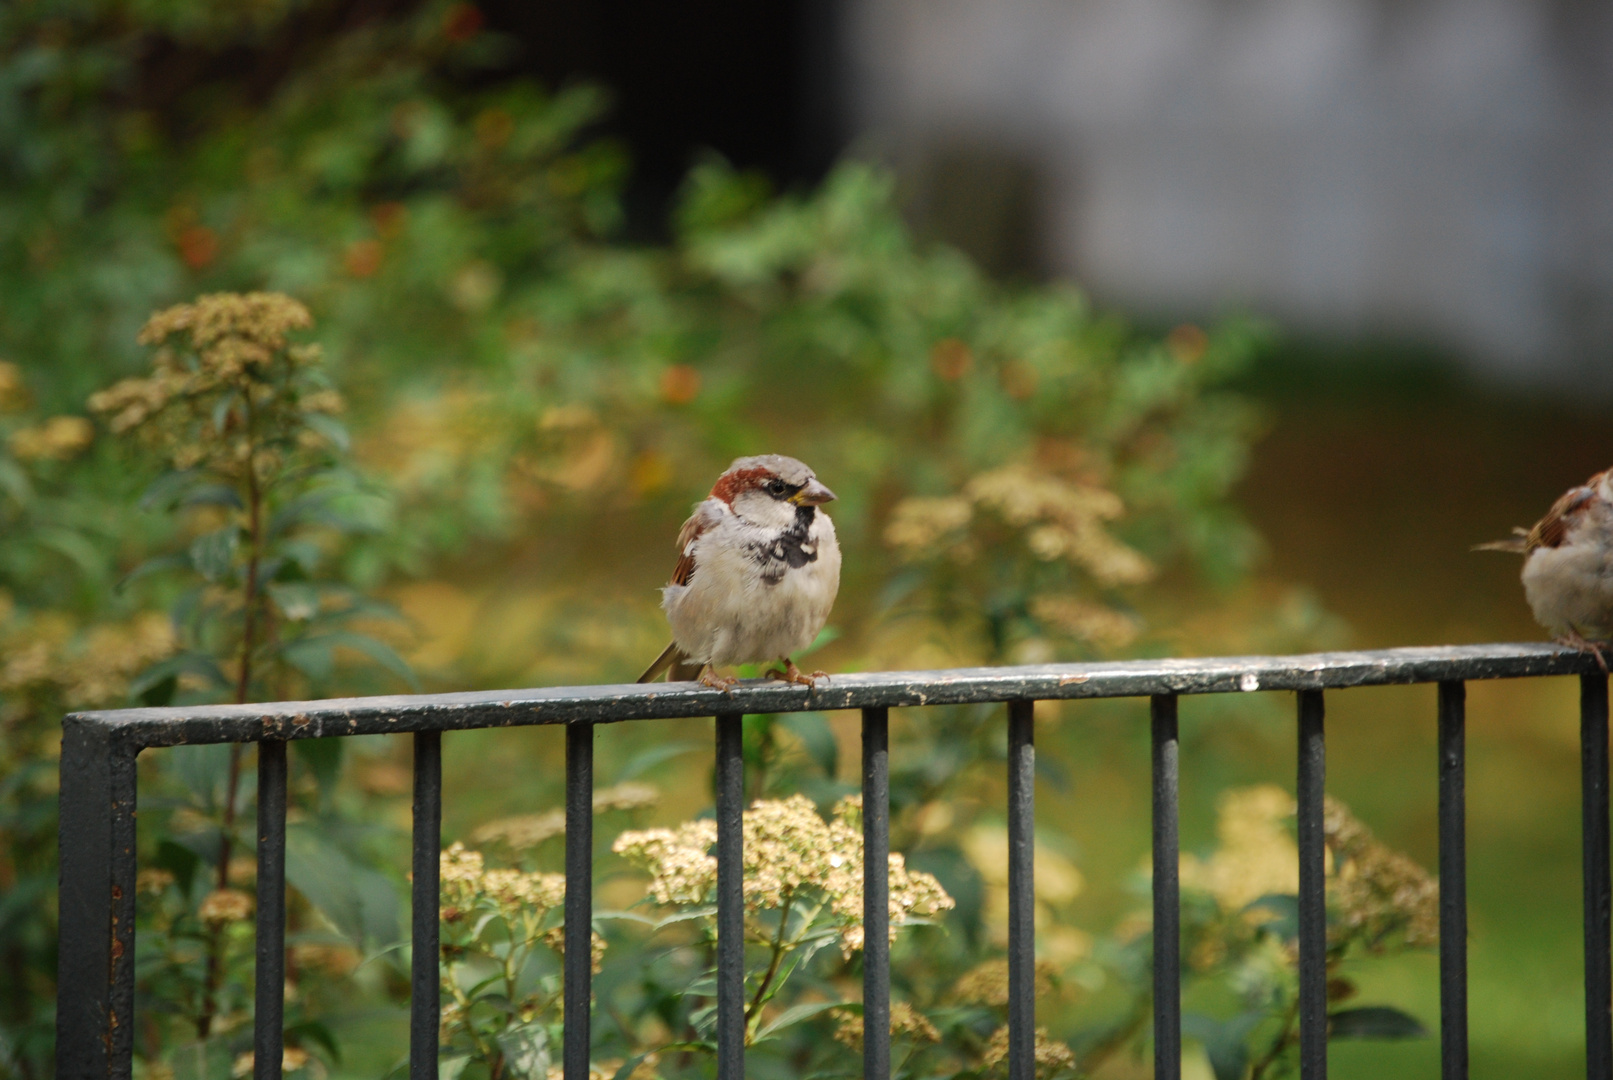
<point>530,405</point>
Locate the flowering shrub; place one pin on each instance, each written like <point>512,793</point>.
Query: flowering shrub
<point>803,891</point>
<point>502,1006</point>
<point>1240,927</point>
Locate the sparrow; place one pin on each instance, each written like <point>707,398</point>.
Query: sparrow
<point>1568,565</point>
<point>757,572</point>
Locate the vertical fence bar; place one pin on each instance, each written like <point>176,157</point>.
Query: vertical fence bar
<point>425,995</point>
<point>1594,804</point>
<point>1021,891</point>
<point>269,1012</point>
<point>876,895</point>
<point>730,897</point>
<point>579,954</point>
<point>1452,880</point>
<point>95,958</point>
<point>1312,890</point>
<point>1167,896</point>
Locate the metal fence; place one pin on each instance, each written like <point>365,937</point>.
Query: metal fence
<point>96,982</point>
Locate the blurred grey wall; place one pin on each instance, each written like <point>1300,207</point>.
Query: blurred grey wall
<point>1431,170</point>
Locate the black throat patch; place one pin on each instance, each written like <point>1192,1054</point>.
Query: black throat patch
<point>789,550</point>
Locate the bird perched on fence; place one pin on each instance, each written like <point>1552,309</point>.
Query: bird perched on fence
<point>758,569</point>
<point>1568,565</point>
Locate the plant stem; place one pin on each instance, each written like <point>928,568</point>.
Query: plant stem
<point>772,965</point>
<point>1120,1036</point>
<point>243,684</point>
<point>254,503</point>
<point>1284,1038</point>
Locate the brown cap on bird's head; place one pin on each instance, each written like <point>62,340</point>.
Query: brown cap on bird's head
<point>779,476</point>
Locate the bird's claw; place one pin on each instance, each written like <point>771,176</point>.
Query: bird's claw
<point>1575,640</point>
<point>709,678</point>
<point>793,674</point>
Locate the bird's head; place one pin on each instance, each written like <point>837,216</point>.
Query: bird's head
<point>771,490</point>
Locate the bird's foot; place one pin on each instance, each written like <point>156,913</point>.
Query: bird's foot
<point>710,678</point>
<point>793,674</point>
<point>1575,640</point>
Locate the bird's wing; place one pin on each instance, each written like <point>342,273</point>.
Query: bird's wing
<point>1550,530</point>
<point>669,656</point>
<point>704,518</point>
<point>676,666</point>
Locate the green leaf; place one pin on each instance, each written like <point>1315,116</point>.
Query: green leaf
<point>312,508</point>
<point>1224,1041</point>
<point>332,429</point>
<point>818,739</point>
<point>212,495</point>
<point>633,1063</point>
<point>213,554</point>
<point>1284,911</point>
<point>323,758</point>
<point>166,491</point>
<point>77,549</point>
<point>702,912</point>
<point>1374,1022</point>
<point>297,600</point>
<point>378,651</point>
<point>158,565</point>
<point>14,482</point>
<point>794,1015</point>
<point>360,902</point>
<point>160,695</point>
<point>526,1051</point>
<point>450,1068</point>
<point>647,759</point>
<point>209,1060</point>
<point>185,663</point>
<point>315,1031</point>
<point>179,861</point>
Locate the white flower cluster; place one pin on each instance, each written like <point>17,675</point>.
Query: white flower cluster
<point>790,851</point>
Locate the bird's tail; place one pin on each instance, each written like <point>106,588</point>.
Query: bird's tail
<point>678,667</point>
<point>1517,544</point>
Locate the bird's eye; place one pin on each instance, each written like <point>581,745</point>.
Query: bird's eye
<point>775,488</point>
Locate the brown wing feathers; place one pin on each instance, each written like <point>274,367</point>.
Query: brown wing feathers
<point>677,666</point>
<point>1551,530</point>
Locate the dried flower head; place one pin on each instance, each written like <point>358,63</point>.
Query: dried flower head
<point>46,657</point>
<point>523,831</point>
<point>789,849</point>
<point>1378,891</point>
<point>1063,521</point>
<point>467,884</point>
<point>1052,1056</point>
<point>681,871</point>
<point>555,938</point>
<point>153,881</point>
<point>58,439</point>
<point>223,906</point>
<point>291,1059</point>
<point>335,960</point>
<point>906,1023</point>
<point>629,795</point>
<point>987,983</point>
<point>1256,857</point>
<point>13,391</point>
<point>228,391</point>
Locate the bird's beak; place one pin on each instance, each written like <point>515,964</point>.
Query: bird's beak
<point>814,494</point>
